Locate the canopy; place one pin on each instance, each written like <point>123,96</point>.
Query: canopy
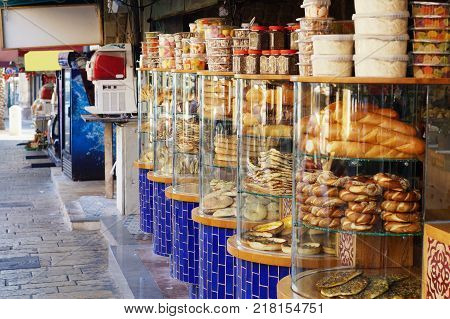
<point>40,61</point>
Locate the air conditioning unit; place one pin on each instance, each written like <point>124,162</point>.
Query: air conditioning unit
<point>111,71</point>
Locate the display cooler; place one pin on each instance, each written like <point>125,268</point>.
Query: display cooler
<point>264,184</point>
<point>145,156</point>
<point>185,183</point>
<point>359,153</point>
<point>161,177</point>
<point>216,214</point>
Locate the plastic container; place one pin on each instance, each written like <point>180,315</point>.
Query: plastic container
<point>306,35</point>
<point>218,43</point>
<point>332,65</point>
<point>178,37</point>
<point>316,8</point>
<point>166,51</point>
<point>318,24</point>
<point>221,51</point>
<point>219,59</point>
<point>304,58</point>
<point>239,58</point>
<point>167,63</point>
<point>366,45</point>
<point>151,35</point>
<point>431,58</point>
<point>305,47</point>
<point>272,64</point>
<point>293,36</point>
<point>287,62</point>
<point>198,62</point>
<point>383,23</point>
<point>432,34</point>
<point>186,46</point>
<point>197,46</point>
<point>152,42</point>
<point>218,31</point>
<point>381,6</point>
<point>381,66</point>
<point>343,27</point>
<point>338,44</point>
<point>187,62</point>
<point>166,40</point>
<point>240,42</point>
<point>277,37</point>
<point>431,22</point>
<point>201,23</point>
<point>424,71</point>
<point>422,46</point>
<point>252,62</point>
<point>153,52</point>
<point>305,69</point>
<point>420,9</point>
<point>264,62</point>
<point>241,33</point>
<point>219,67</point>
<point>258,38</point>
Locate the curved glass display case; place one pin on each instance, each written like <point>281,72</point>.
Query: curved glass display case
<point>163,122</point>
<point>265,166</point>
<point>145,117</point>
<point>218,145</point>
<point>186,132</point>
<point>359,152</point>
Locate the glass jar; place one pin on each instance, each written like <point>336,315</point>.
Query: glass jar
<point>264,62</point>
<point>277,37</point>
<point>293,36</point>
<point>258,38</point>
<point>287,62</point>
<point>273,61</point>
<point>239,58</point>
<point>252,62</point>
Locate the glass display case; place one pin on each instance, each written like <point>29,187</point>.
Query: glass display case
<point>264,184</point>
<point>163,122</point>
<point>359,154</point>
<point>186,134</point>
<point>145,117</point>
<point>218,145</point>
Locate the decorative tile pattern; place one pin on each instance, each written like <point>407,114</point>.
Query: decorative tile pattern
<point>146,201</point>
<point>193,292</point>
<point>217,266</point>
<point>438,270</point>
<point>258,281</point>
<point>162,221</point>
<point>346,250</point>
<point>185,243</point>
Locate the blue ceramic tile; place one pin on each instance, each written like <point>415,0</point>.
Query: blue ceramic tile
<point>145,202</point>
<point>162,221</point>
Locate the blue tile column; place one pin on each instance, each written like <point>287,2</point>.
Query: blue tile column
<point>185,243</point>
<point>162,221</point>
<point>217,266</point>
<point>258,281</point>
<point>145,201</point>
<point>193,292</point>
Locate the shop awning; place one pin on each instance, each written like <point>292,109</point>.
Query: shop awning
<point>40,61</point>
<point>7,56</point>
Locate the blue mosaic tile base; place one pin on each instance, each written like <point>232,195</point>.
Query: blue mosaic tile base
<point>193,292</point>
<point>217,266</point>
<point>258,281</point>
<point>185,243</point>
<point>162,221</point>
<point>145,201</point>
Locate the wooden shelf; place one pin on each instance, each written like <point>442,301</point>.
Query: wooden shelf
<point>368,80</point>
<point>284,290</point>
<point>268,77</point>
<point>161,70</point>
<point>213,73</point>
<point>159,179</point>
<point>143,165</point>
<point>189,198</point>
<point>184,71</point>
<point>229,223</point>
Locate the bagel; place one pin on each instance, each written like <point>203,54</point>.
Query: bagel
<point>402,228</point>
<point>368,189</point>
<point>255,212</point>
<point>348,196</point>
<point>329,222</point>
<point>347,224</point>
<point>324,201</point>
<point>329,179</point>
<point>318,190</point>
<point>391,182</point>
<point>359,218</point>
<point>400,207</point>
<point>412,196</point>
<point>364,207</point>
<point>400,217</point>
<point>326,212</point>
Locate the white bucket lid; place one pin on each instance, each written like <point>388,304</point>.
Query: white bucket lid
<point>401,37</point>
<point>333,37</point>
<point>337,58</point>
<point>392,15</point>
<point>389,58</point>
<point>316,2</point>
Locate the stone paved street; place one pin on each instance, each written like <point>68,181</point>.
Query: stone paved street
<point>69,264</point>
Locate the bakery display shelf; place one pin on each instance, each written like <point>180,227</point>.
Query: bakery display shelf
<point>185,193</point>
<point>263,77</point>
<point>249,192</point>
<point>357,160</point>
<point>380,232</point>
<point>262,137</point>
<point>143,165</point>
<point>201,218</point>
<point>368,80</point>
<point>307,280</point>
<point>183,115</point>
<point>219,166</point>
<point>175,152</point>
<point>144,132</point>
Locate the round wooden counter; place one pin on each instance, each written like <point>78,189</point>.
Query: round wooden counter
<point>284,290</point>
<point>229,223</point>
<point>181,197</point>
<point>159,179</point>
<point>143,165</point>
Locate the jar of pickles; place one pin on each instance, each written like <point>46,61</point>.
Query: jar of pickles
<point>252,62</point>
<point>276,37</point>
<point>239,58</point>
<point>287,62</point>
<point>258,38</point>
<point>264,62</point>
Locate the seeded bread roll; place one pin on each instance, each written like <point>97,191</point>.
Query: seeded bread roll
<point>348,196</point>
<point>400,207</point>
<point>397,196</point>
<point>402,228</point>
<point>400,217</point>
<point>391,182</point>
<point>360,219</point>
<point>364,207</point>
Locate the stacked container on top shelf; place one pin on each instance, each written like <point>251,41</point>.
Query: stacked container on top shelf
<point>240,48</point>
<point>315,22</point>
<point>431,42</point>
<point>150,55</point>
<point>381,37</point>
<point>179,49</point>
<point>167,51</point>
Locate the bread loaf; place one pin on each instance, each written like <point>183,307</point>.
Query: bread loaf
<point>400,217</point>
<point>357,150</point>
<point>400,207</point>
<point>341,109</point>
<point>397,196</point>
<point>402,228</point>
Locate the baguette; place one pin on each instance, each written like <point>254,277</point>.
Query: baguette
<point>362,150</point>
<point>337,107</point>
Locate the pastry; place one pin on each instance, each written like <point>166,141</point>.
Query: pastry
<point>318,190</point>
<point>266,244</point>
<point>225,212</point>
<point>255,212</point>
<point>347,224</point>
<point>376,287</point>
<point>361,188</point>
<point>348,196</point>
<point>217,202</point>
<point>391,182</point>
<point>402,228</point>
<point>364,207</point>
<point>352,287</point>
<point>325,211</point>
<point>359,218</point>
<point>337,278</point>
<point>273,228</point>
<point>329,222</point>
<point>399,196</point>
<point>308,249</point>
<point>286,247</point>
<point>400,217</point>
<point>400,207</point>
<point>329,250</point>
<point>329,179</point>
<point>324,201</point>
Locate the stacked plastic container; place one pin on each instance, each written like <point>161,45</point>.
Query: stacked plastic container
<point>315,22</point>
<point>166,50</point>
<point>381,37</point>
<point>430,56</point>
<point>240,48</point>
<point>179,37</point>
<point>218,38</point>
<point>150,54</point>
<point>333,55</point>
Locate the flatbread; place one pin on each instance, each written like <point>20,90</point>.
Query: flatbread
<point>376,287</point>
<point>352,287</point>
<point>225,212</point>
<point>337,278</point>
<point>405,289</point>
<point>217,202</point>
